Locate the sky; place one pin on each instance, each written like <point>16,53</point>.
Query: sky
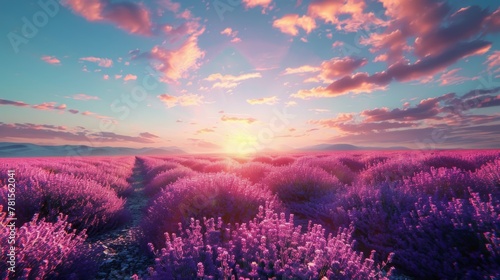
<point>240,76</point>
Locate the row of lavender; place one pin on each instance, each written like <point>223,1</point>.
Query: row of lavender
<point>58,203</point>
<point>424,215</point>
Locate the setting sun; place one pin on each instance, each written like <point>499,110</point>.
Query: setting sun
<point>240,143</point>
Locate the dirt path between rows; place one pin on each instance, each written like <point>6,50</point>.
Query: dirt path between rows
<point>122,254</point>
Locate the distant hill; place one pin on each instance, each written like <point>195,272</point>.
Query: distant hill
<point>348,147</point>
<point>33,150</point>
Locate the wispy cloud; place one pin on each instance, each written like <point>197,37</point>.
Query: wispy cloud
<point>13,103</point>
<point>204,130</point>
<point>232,34</point>
<point>301,70</point>
<point>27,132</point>
<point>83,96</point>
<point>230,81</point>
<point>49,106</point>
<point>247,120</point>
<point>103,62</point>
<point>95,115</point>
<point>493,61</point>
<point>264,100</point>
<point>148,135</point>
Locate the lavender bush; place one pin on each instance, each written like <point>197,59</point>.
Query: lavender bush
<point>165,178</point>
<point>391,171</point>
<point>87,204</point>
<point>204,195</point>
<point>47,251</point>
<point>333,167</point>
<point>301,183</point>
<point>267,247</point>
<point>162,167</point>
<point>445,184</point>
<point>449,161</point>
<point>253,171</point>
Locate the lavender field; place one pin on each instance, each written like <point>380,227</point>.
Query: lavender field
<point>349,215</point>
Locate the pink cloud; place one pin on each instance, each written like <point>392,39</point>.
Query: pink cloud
<point>118,77</point>
<point>131,17</point>
<point>392,43</point>
<point>105,77</point>
<point>289,24</point>
<point>183,100</point>
<point>103,62</point>
<point>264,100</point>
<point>492,22</point>
<point>255,3</point>
<point>130,77</point>
<point>248,120</point>
<point>175,64</point>
<point>228,31</point>
<point>340,66</point>
<point>493,60</point>
<point>51,60</point>
<point>185,29</point>
<point>301,70</point>
<point>337,44</point>
<point>381,57</point>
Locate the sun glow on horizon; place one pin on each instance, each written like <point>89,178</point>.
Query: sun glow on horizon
<point>241,143</point>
